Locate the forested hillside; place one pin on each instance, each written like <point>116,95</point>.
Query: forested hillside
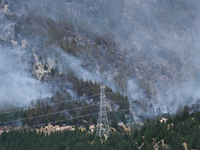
<point>179,130</point>
<point>55,55</point>
<point>62,106</point>
<point>135,47</point>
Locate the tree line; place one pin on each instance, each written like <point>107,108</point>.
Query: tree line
<point>178,129</point>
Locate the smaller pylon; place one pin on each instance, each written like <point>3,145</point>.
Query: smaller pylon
<point>102,123</point>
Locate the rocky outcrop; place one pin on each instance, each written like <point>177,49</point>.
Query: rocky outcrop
<point>39,70</point>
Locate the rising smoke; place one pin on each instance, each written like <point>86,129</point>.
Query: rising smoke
<point>161,37</point>
<point>77,66</point>
<point>17,86</point>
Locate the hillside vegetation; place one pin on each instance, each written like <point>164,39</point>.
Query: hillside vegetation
<point>179,129</point>
<point>54,55</point>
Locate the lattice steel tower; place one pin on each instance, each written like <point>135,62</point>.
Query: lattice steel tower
<point>102,124</point>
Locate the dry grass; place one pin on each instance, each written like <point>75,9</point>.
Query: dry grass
<point>185,146</point>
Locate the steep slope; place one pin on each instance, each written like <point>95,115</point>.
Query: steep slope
<point>144,49</point>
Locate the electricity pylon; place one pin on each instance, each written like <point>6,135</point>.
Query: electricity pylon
<point>102,123</point>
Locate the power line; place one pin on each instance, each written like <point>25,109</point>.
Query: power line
<point>58,121</point>
<point>54,103</point>
<point>49,104</point>
<point>47,114</point>
<point>54,122</point>
<point>53,113</point>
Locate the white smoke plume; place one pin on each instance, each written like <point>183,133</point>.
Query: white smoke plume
<point>17,87</point>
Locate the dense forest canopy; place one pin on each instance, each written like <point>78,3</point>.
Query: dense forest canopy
<point>177,130</point>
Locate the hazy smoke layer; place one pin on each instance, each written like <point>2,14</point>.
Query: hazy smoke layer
<point>184,94</point>
<point>76,65</point>
<point>17,88</point>
<point>162,38</point>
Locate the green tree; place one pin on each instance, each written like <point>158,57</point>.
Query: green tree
<point>198,144</point>
<point>139,139</point>
<point>114,124</point>
<point>53,72</point>
<point>87,127</point>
